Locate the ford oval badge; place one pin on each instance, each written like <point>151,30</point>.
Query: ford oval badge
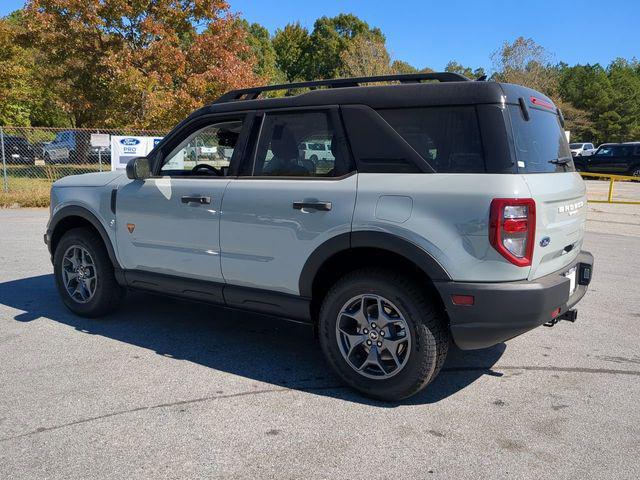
<point>545,241</point>
<point>129,141</point>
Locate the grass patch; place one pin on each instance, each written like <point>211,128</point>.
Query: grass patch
<point>29,185</point>
<point>26,192</point>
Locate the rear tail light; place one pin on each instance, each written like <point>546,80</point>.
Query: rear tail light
<point>512,228</point>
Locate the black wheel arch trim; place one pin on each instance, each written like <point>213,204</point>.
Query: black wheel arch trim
<point>85,214</point>
<point>368,239</point>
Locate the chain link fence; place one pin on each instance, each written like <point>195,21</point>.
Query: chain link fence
<point>35,157</point>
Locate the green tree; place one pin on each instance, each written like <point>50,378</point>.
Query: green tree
<point>26,100</point>
<point>263,51</point>
<point>526,63</point>
<point>625,83</point>
<point>14,80</point>
<point>468,72</point>
<point>329,38</point>
<point>291,45</point>
<point>399,66</point>
<point>588,89</point>
<point>611,96</point>
<point>365,56</point>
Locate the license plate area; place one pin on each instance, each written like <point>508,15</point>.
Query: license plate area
<point>571,275</point>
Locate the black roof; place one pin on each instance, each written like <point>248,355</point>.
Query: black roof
<point>451,89</point>
<point>255,92</point>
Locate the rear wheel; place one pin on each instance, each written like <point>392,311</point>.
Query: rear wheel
<point>382,334</point>
<point>84,274</point>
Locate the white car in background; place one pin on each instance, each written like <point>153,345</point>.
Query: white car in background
<point>315,150</point>
<point>581,149</point>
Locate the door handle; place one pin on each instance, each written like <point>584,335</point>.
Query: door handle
<point>199,199</point>
<point>323,206</point>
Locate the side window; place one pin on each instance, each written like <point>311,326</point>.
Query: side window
<point>291,145</point>
<point>624,151</point>
<point>605,152</point>
<point>448,138</point>
<point>207,151</point>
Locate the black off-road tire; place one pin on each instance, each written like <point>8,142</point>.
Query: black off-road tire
<point>430,336</point>
<point>108,293</point>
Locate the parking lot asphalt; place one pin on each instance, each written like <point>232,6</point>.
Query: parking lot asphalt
<point>170,389</point>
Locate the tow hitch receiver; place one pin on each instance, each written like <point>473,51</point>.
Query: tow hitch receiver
<point>569,316</point>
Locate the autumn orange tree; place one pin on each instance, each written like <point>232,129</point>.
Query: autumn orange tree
<point>142,63</point>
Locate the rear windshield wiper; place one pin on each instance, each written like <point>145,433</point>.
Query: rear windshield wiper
<point>564,161</point>
<point>560,161</point>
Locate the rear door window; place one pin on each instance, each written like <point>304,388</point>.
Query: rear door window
<point>290,143</point>
<point>624,151</point>
<point>448,138</point>
<point>540,142</point>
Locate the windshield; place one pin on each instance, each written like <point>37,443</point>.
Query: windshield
<point>575,145</point>
<point>541,144</point>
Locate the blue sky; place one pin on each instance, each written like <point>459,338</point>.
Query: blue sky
<point>430,33</point>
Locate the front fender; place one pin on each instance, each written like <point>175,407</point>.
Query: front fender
<point>68,211</point>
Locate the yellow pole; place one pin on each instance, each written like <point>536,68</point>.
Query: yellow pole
<point>611,180</point>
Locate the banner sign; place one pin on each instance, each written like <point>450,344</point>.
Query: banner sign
<point>124,148</point>
<point>100,140</point>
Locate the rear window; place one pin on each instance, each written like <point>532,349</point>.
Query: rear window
<point>540,142</point>
<point>448,138</point>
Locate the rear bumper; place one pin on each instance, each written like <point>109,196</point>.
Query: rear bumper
<point>505,310</point>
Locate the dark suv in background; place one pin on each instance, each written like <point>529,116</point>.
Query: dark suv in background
<point>612,158</point>
<point>18,150</point>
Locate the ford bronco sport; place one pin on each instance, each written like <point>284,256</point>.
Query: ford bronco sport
<point>448,211</point>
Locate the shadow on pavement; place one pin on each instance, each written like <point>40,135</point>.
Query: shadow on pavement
<point>254,346</point>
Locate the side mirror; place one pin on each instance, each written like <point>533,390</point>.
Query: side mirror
<point>138,168</point>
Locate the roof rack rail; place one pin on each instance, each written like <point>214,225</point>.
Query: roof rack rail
<point>255,92</point>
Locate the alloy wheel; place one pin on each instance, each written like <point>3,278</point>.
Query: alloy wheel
<point>79,275</point>
<point>373,336</point>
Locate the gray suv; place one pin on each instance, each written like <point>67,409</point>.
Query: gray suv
<point>447,211</point>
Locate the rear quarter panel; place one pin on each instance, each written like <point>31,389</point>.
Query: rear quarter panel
<point>447,216</point>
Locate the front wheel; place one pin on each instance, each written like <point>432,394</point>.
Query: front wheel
<point>84,274</point>
<point>382,334</point>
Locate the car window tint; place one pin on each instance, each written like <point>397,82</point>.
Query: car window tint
<point>299,145</point>
<point>624,151</point>
<point>539,142</point>
<point>210,147</point>
<point>605,152</point>
<point>448,138</point>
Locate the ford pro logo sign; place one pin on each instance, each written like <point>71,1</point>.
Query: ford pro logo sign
<point>130,141</point>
